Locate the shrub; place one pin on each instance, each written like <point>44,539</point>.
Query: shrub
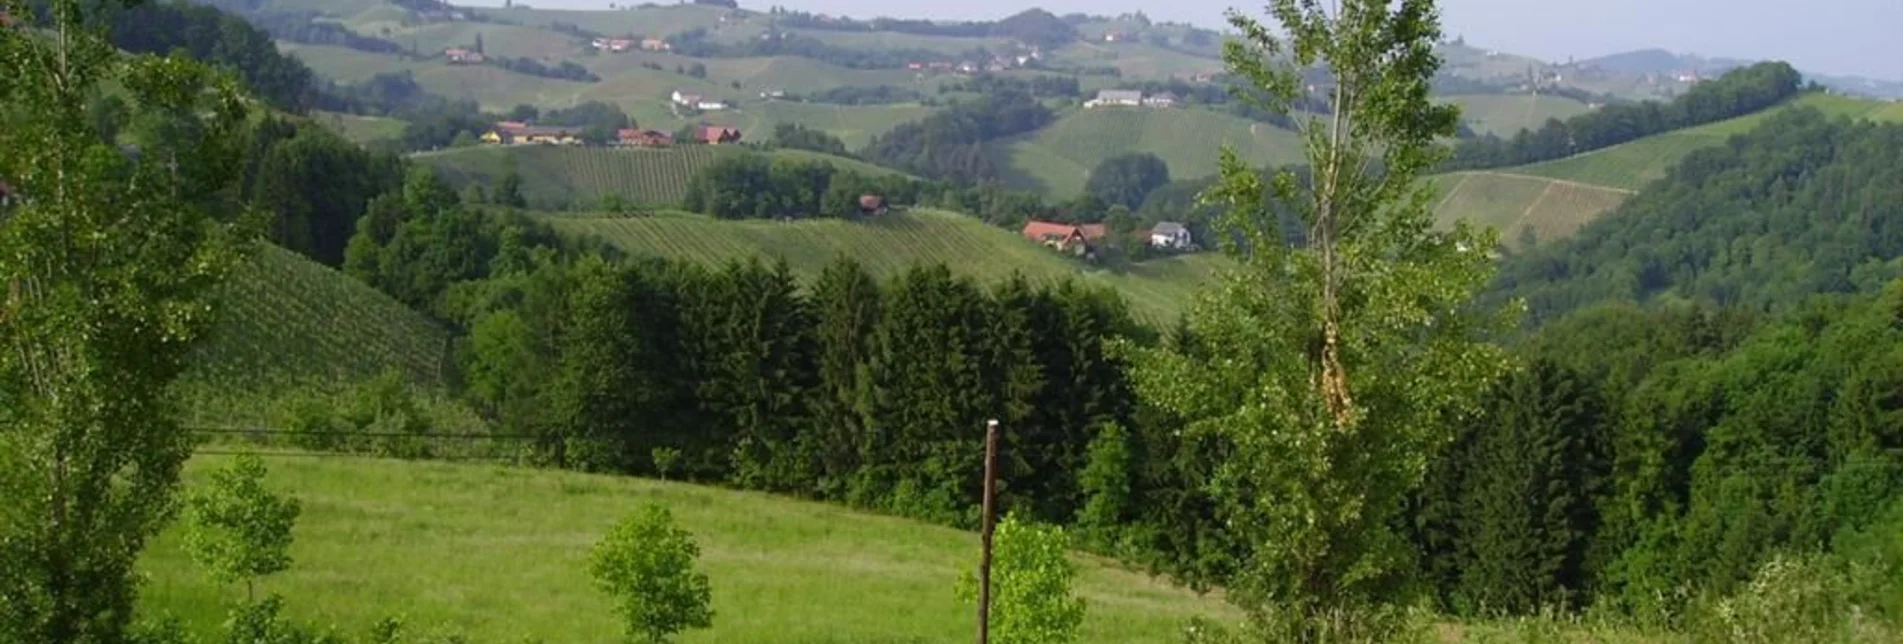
<point>1031,572</point>
<point>647,565</point>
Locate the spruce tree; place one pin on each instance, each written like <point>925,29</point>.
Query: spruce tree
<point>846,303</point>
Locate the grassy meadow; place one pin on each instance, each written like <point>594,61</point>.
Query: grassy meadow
<point>1513,203</point>
<point>496,554</point>
<point>1156,290</point>
<point>1504,115</point>
<point>1057,160</point>
<point>360,129</point>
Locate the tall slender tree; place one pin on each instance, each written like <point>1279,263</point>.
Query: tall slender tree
<point>1339,363</point>
<point>107,265</point>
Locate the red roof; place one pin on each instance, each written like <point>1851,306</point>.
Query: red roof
<point>719,133</point>
<point>512,126</point>
<point>1041,230</point>
<point>1093,231</point>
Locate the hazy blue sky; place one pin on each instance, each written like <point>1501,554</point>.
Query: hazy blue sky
<point>1833,36</point>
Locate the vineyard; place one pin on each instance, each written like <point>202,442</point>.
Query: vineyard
<point>559,177</point>
<point>1058,159</point>
<point>287,321</point>
<point>1512,204</point>
<point>1156,290</point>
<point>1503,115</point>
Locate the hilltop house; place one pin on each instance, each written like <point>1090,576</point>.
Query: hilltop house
<point>462,56</point>
<point>1171,235</point>
<point>632,137</point>
<point>616,45</point>
<point>656,44</point>
<point>1124,97</point>
<point>696,101</point>
<point>870,204</point>
<point>1165,99</point>
<point>1066,238</point>
<point>717,134</point>
<point>519,133</point>
<point>1117,36</point>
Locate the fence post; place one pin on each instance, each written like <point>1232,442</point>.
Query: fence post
<point>990,507</point>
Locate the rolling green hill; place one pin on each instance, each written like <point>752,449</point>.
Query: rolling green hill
<point>1058,159</point>
<point>1136,60</point>
<point>650,20</point>
<point>1505,114</point>
<point>491,87</point>
<point>1156,290</point>
<point>557,176</point>
<point>1632,165</point>
<point>497,554</point>
<point>360,129</point>
<point>288,321</point>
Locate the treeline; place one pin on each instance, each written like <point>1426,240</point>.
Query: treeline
<point>1033,26</point>
<point>800,137</point>
<point>861,95</point>
<point>852,390</point>
<point>301,27</point>
<point>1039,86</point>
<point>1649,461</point>
<point>699,43</point>
<point>1801,205</point>
<point>565,70</point>
<point>1740,91</point>
<point>949,145</point>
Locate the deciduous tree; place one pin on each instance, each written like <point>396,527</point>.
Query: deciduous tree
<point>647,565</point>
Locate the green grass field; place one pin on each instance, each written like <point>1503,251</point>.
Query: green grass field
<point>556,176</point>
<point>1505,114</point>
<point>491,87</point>
<point>1057,160</point>
<point>654,20</point>
<point>1550,208</point>
<point>289,322</point>
<point>1156,290</point>
<point>360,129</point>
<point>1632,165</point>
<point>1136,60</point>
<point>497,554</point>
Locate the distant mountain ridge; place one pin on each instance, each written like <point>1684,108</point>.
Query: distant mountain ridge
<point>1660,61</point>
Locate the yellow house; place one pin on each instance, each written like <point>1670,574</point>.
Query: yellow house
<point>492,137</point>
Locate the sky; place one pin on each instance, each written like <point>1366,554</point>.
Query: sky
<point>1840,37</point>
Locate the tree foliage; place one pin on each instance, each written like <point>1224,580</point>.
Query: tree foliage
<point>1127,179</point>
<point>1334,366</point>
<point>107,263</point>
<point>647,565</point>
<point>1031,577</point>
<point>239,529</point>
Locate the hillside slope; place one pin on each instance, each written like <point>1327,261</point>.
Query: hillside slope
<point>1057,160</point>
<point>496,554</point>
<point>288,321</point>
<point>1157,290</point>
<point>555,177</point>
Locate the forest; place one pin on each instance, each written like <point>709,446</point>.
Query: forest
<point>948,145</point>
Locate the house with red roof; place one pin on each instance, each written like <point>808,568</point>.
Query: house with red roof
<point>718,134</point>
<point>1067,238</point>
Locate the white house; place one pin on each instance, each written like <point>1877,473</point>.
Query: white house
<point>686,100</point>
<point>1169,234</point>
<point>1165,99</point>
<point>1126,97</point>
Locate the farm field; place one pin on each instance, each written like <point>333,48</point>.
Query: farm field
<point>1137,61</point>
<point>948,45</point>
<point>1156,290</point>
<point>647,21</point>
<point>559,176</point>
<point>1505,114</point>
<point>497,554</point>
<point>288,321</point>
<point>360,129</point>
<point>1632,165</point>
<point>493,88</point>
<point>1058,159</point>
<point>1514,204</point>
<point>513,41</point>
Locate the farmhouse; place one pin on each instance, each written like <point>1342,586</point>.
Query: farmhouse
<point>656,44</point>
<point>1066,238</point>
<point>1125,97</point>
<point>638,138</point>
<point>462,56</point>
<point>717,134</point>
<point>1165,99</point>
<point>872,205</point>
<point>1171,235</point>
<point>696,101</point>
<point>616,45</point>
<point>519,133</point>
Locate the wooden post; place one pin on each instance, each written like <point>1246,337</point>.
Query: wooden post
<point>990,507</point>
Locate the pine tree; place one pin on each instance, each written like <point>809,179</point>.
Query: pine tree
<point>760,359</point>
<point>846,304</point>
<point>932,396</point>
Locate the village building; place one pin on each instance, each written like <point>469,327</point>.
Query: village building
<point>1165,99</point>
<point>1171,235</point>
<point>519,133</point>
<point>870,204</point>
<point>1073,239</point>
<point>462,56</point>
<point>696,101</point>
<point>656,44</point>
<point>638,138</point>
<point>1117,97</point>
<point>717,134</point>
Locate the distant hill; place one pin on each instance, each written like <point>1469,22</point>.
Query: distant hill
<point>1057,160</point>
<point>288,321</point>
<point>561,176</point>
<point>1157,290</point>
<point>1555,198</point>
<point>1659,61</point>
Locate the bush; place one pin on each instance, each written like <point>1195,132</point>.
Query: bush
<point>1031,573</point>
<point>647,565</point>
